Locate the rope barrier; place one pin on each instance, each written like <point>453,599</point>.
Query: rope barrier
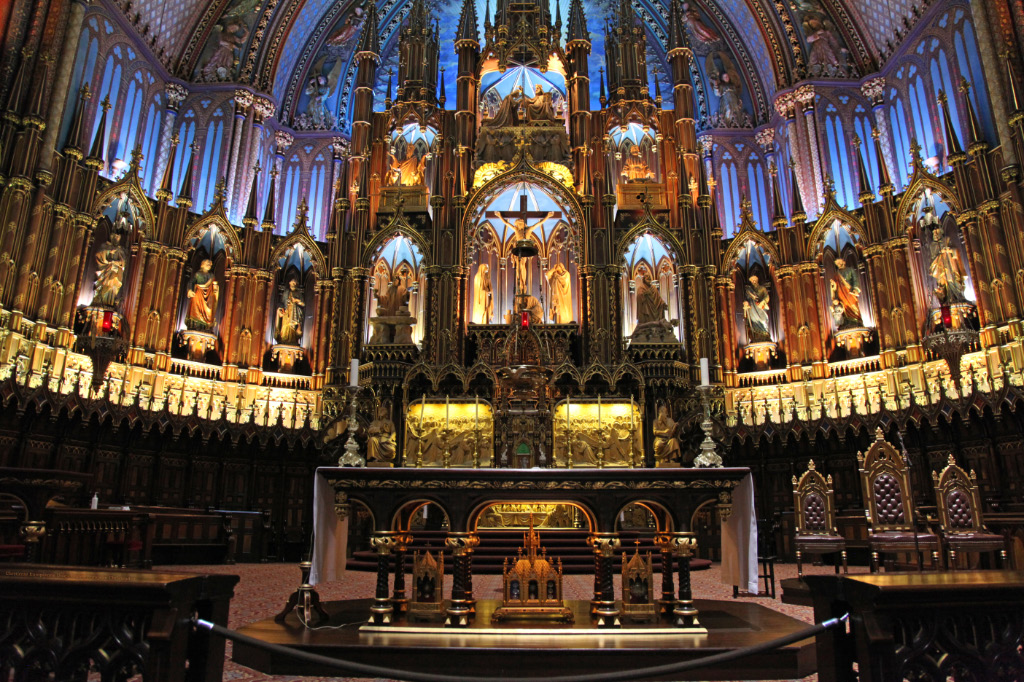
<point>362,669</point>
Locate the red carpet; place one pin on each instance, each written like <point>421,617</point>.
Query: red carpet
<point>265,587</point>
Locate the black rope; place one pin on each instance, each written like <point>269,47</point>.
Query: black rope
<point>349,667</point>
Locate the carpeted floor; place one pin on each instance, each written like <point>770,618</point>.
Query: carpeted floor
<point>264,588</point>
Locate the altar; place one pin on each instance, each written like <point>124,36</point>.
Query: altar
<point>393,496</point>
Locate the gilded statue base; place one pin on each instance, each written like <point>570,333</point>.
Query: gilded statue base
<point>558,614</point>
<point>853,340</point>
<point>628,196</point>
<point>761,352</point>
<point>960,313</point>
<point>413,199</point>
<point>198,344</point>
<point>286,356</point>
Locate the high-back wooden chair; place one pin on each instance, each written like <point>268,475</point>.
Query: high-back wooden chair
<point>889,505</point>
<point>960,517</point>
<point>815,510</point>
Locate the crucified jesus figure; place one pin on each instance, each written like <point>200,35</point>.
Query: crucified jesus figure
<point>522,232</point>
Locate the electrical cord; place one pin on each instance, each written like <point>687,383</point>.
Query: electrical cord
<point>350,667</point>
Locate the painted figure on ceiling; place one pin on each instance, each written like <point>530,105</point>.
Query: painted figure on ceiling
<point>291,315</point>
<point>202,295</point>
<point>225,45</point>
<point>318,113</point>
<point>827,56</point>
<point>726,84</point>
<point>698,27</point>
<point>110,266</point>
<point>560,286</point>
<point>845,290</point>
<point>755,311</point>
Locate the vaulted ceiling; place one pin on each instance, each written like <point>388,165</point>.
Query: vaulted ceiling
<point>277,44</point>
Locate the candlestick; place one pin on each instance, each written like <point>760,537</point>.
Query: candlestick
<point>599,410</point>
<point>446,412</point>
<point>705,373</point>
<point>353,373</point>
<point>423,408</point>
<point>568,404</point>
<point>631,423</point>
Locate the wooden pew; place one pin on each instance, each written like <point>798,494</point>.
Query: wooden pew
<point>97,537</point>
<point>67,622</point>
<point>196,536</point>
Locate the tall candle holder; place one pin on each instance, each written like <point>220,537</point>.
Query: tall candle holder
<point>632,438</point>
<point>600,431</point>
<point>352,458</point>
<point>707,458</point>
<point>445,435</point>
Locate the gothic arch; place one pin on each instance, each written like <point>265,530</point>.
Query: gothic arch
<point>300,236</point>
<point>923,180</point>
<point>656,229</point>
<point>397,227</point>
<point>526,172</point>
<point>214,219</point>
<point>832,214</point>
<point>130,185</point>
<point>752,235</point>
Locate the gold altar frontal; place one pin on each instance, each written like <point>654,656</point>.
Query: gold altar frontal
<point>449,434</point>
<point>577,623</point>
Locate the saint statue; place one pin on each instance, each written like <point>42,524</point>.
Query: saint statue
<point>946,268</point>
<point>666,442</point>
<point>290,316</point>
<point>531,305</point>
<point>483,296</point>
<point>508,111</point>
<point>408,171</point>
<point>539,108</point>
<point>561,294</point>
<point>635,169</point>
<point>845,288</point>
<point>391,301</point>
<point>203,291</point>
<point>110,265</point>
<point>649,305</point>
<point>380,441</point>
<point>755,311</point>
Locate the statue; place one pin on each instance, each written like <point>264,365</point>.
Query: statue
<point>110,266</point>
<point>318,113</point>
<point>391,301</point>
<point>649,305</point>
<point>290,316</point>
<point>522,232</point>
<point>409,171</point>
<point>666,442</point>
<point>539,108</point>
<point>508,111</point>
<point>560,286</point>
<point>635,169</point>
<point>380,441</point>
<point>423,438</point>
<point>945,267</point>
<point>845,289</point>
<point>483,296</point>
<point>755,311</point>
<point>531,305</point>
<point>202,295</point>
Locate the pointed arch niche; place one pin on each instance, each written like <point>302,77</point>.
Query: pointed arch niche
<point>292,310</point>
<point>940,264</point>
<point>756,307</point>
<point>650,262</point>
<point>844,291</point>
<point>550,279</point>
<point>410,172</point>
<point>397,286</point>
<point>200,313</point>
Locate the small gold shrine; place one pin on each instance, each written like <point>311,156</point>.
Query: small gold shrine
<point>638,587</point>
<point>532,585</point>
<point>427,586</point>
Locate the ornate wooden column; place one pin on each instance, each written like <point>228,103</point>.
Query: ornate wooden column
<point>382,611</point>
<point>461,606</point>
<point>604,606</point>
<point>667,602</point>
<point>725,290</point>
<point>684,613</point>
<point>399,600</point>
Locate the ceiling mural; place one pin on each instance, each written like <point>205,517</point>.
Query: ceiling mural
<point>741,55</point>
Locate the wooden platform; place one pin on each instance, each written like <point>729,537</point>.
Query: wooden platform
<point>730,625</point>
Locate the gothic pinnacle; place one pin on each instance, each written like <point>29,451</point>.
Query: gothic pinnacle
<point>268,224</point>
<point>251,218</point>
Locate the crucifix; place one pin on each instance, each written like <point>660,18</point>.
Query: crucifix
<point>523,248</point>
